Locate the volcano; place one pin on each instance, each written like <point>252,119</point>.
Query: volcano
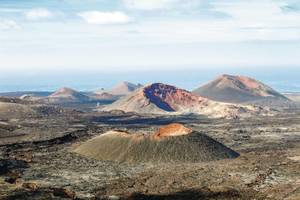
<point>67,95</point>
<point>123,88</point>
<point>171,143</point>
<point>238,89</point>
<point>160,98</point>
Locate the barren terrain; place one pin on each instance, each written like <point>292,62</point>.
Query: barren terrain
<point>37,159</point>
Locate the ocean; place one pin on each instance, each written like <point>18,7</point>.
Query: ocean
<point>281,80</point>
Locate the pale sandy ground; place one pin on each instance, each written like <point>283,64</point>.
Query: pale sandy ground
<point>295,97</point>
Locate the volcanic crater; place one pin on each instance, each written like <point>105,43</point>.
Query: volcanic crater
<point>171,143</point>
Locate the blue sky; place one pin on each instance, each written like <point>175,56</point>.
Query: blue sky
<point>125,35</point>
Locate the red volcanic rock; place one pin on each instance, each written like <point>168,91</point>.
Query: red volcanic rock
<point>160,98</point>
<point>171,98</point>
<point>172,130</point>
<point>249,82</point>
<point>237,89</point>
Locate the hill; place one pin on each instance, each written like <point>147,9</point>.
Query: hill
<point>160,98</point>
<point>64,95</point>
<point>172,143</point>
<point>14,108</point>
<point>238,89</point>
<point>121,89</point>
<point>104,96</point>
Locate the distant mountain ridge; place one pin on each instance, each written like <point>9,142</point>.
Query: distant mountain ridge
<point>67,95</point>
<point>121,89</point>
<point>21,93</point>
<point>237,89</point>
<point>158,98</point>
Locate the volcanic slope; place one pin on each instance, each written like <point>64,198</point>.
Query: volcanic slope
<point>238,89</point>
<point>66,95</point>
<point>123,88</point>
<point>102,96</point>
<point>15,110</point>
<point>172,143</point>
<point>160,98</point>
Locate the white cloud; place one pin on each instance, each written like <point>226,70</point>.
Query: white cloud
<point>161,4</point>
<point>10,10</point>
<point>38,14</point>
<point>97,17</point>
<point>257,32</point>
<point>259,13</point>
<point>7,24</point>
<point>148,4</point>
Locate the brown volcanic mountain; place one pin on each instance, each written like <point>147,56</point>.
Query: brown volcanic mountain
<point>237,89</point>
<point>103,96</point>
<point>123,88</point>
<point>160,98</point>
<point>172,143</point>
<point>66,95</point>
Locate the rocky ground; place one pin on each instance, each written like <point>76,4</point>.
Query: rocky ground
<point>37,159</point>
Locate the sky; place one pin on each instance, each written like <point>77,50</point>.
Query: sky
<point>75,36</point>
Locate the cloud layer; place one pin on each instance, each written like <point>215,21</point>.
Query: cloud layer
<point>7,24</point>
<point>97,17</point>
<point>161,4</point>
<point>38,14</point>
<point>147,33</point>
<point>149,5</point>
